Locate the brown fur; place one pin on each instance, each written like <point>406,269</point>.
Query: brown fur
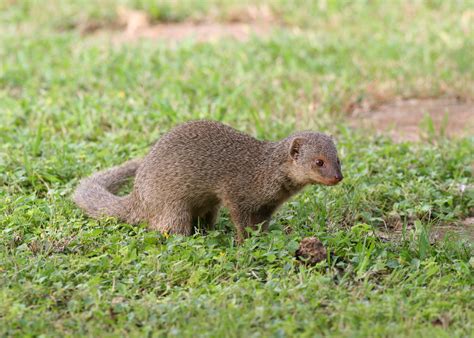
<point>198,166</point>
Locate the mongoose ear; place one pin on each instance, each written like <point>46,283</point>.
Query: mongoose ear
<point>296,147</point>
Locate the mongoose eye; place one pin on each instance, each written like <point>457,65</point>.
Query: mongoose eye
<point>319,163</point>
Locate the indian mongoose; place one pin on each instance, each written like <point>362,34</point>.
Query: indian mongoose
<point>199,165</point>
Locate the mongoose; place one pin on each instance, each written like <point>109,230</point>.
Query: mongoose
<point>199,165</point>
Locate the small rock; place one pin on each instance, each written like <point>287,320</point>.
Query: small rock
<point>311,251</point>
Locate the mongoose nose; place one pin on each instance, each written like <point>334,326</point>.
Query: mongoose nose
<point>339,177</point>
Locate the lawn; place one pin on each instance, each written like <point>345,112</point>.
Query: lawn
<point>73,102</point>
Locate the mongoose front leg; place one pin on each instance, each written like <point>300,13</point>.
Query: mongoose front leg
<point>241,220</point>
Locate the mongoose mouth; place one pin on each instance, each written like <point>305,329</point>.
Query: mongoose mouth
<point>329,182</point>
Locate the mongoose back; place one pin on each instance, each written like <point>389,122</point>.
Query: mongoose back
<point>198,166</point>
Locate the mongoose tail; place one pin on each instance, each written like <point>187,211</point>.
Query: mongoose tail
<point>96,194</point>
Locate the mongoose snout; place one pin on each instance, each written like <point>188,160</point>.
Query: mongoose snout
<point>199,166</point>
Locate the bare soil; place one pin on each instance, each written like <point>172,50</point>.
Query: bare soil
<point>465,230</point>
<point>134,25</point>
<point>203,32</point>
<point>462,231</point>
<point>409,120</point>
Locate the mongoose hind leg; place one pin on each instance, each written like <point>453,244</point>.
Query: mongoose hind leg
<point>175,220</point>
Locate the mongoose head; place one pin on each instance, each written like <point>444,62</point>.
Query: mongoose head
<point>314,159</point>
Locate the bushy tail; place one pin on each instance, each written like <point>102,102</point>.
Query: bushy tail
<point>95,194</point>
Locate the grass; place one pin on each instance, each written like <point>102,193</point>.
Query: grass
<point>71,105</point>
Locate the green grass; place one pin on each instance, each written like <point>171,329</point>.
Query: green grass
<point>71,105</point>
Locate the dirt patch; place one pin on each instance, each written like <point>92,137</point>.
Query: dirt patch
<point>416,119</point>
<point>133,25</point>
<point>462,231</point>
<point>204,32</point>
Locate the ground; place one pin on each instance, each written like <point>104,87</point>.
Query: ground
<point>92,86</point>
<point>415,119</point>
